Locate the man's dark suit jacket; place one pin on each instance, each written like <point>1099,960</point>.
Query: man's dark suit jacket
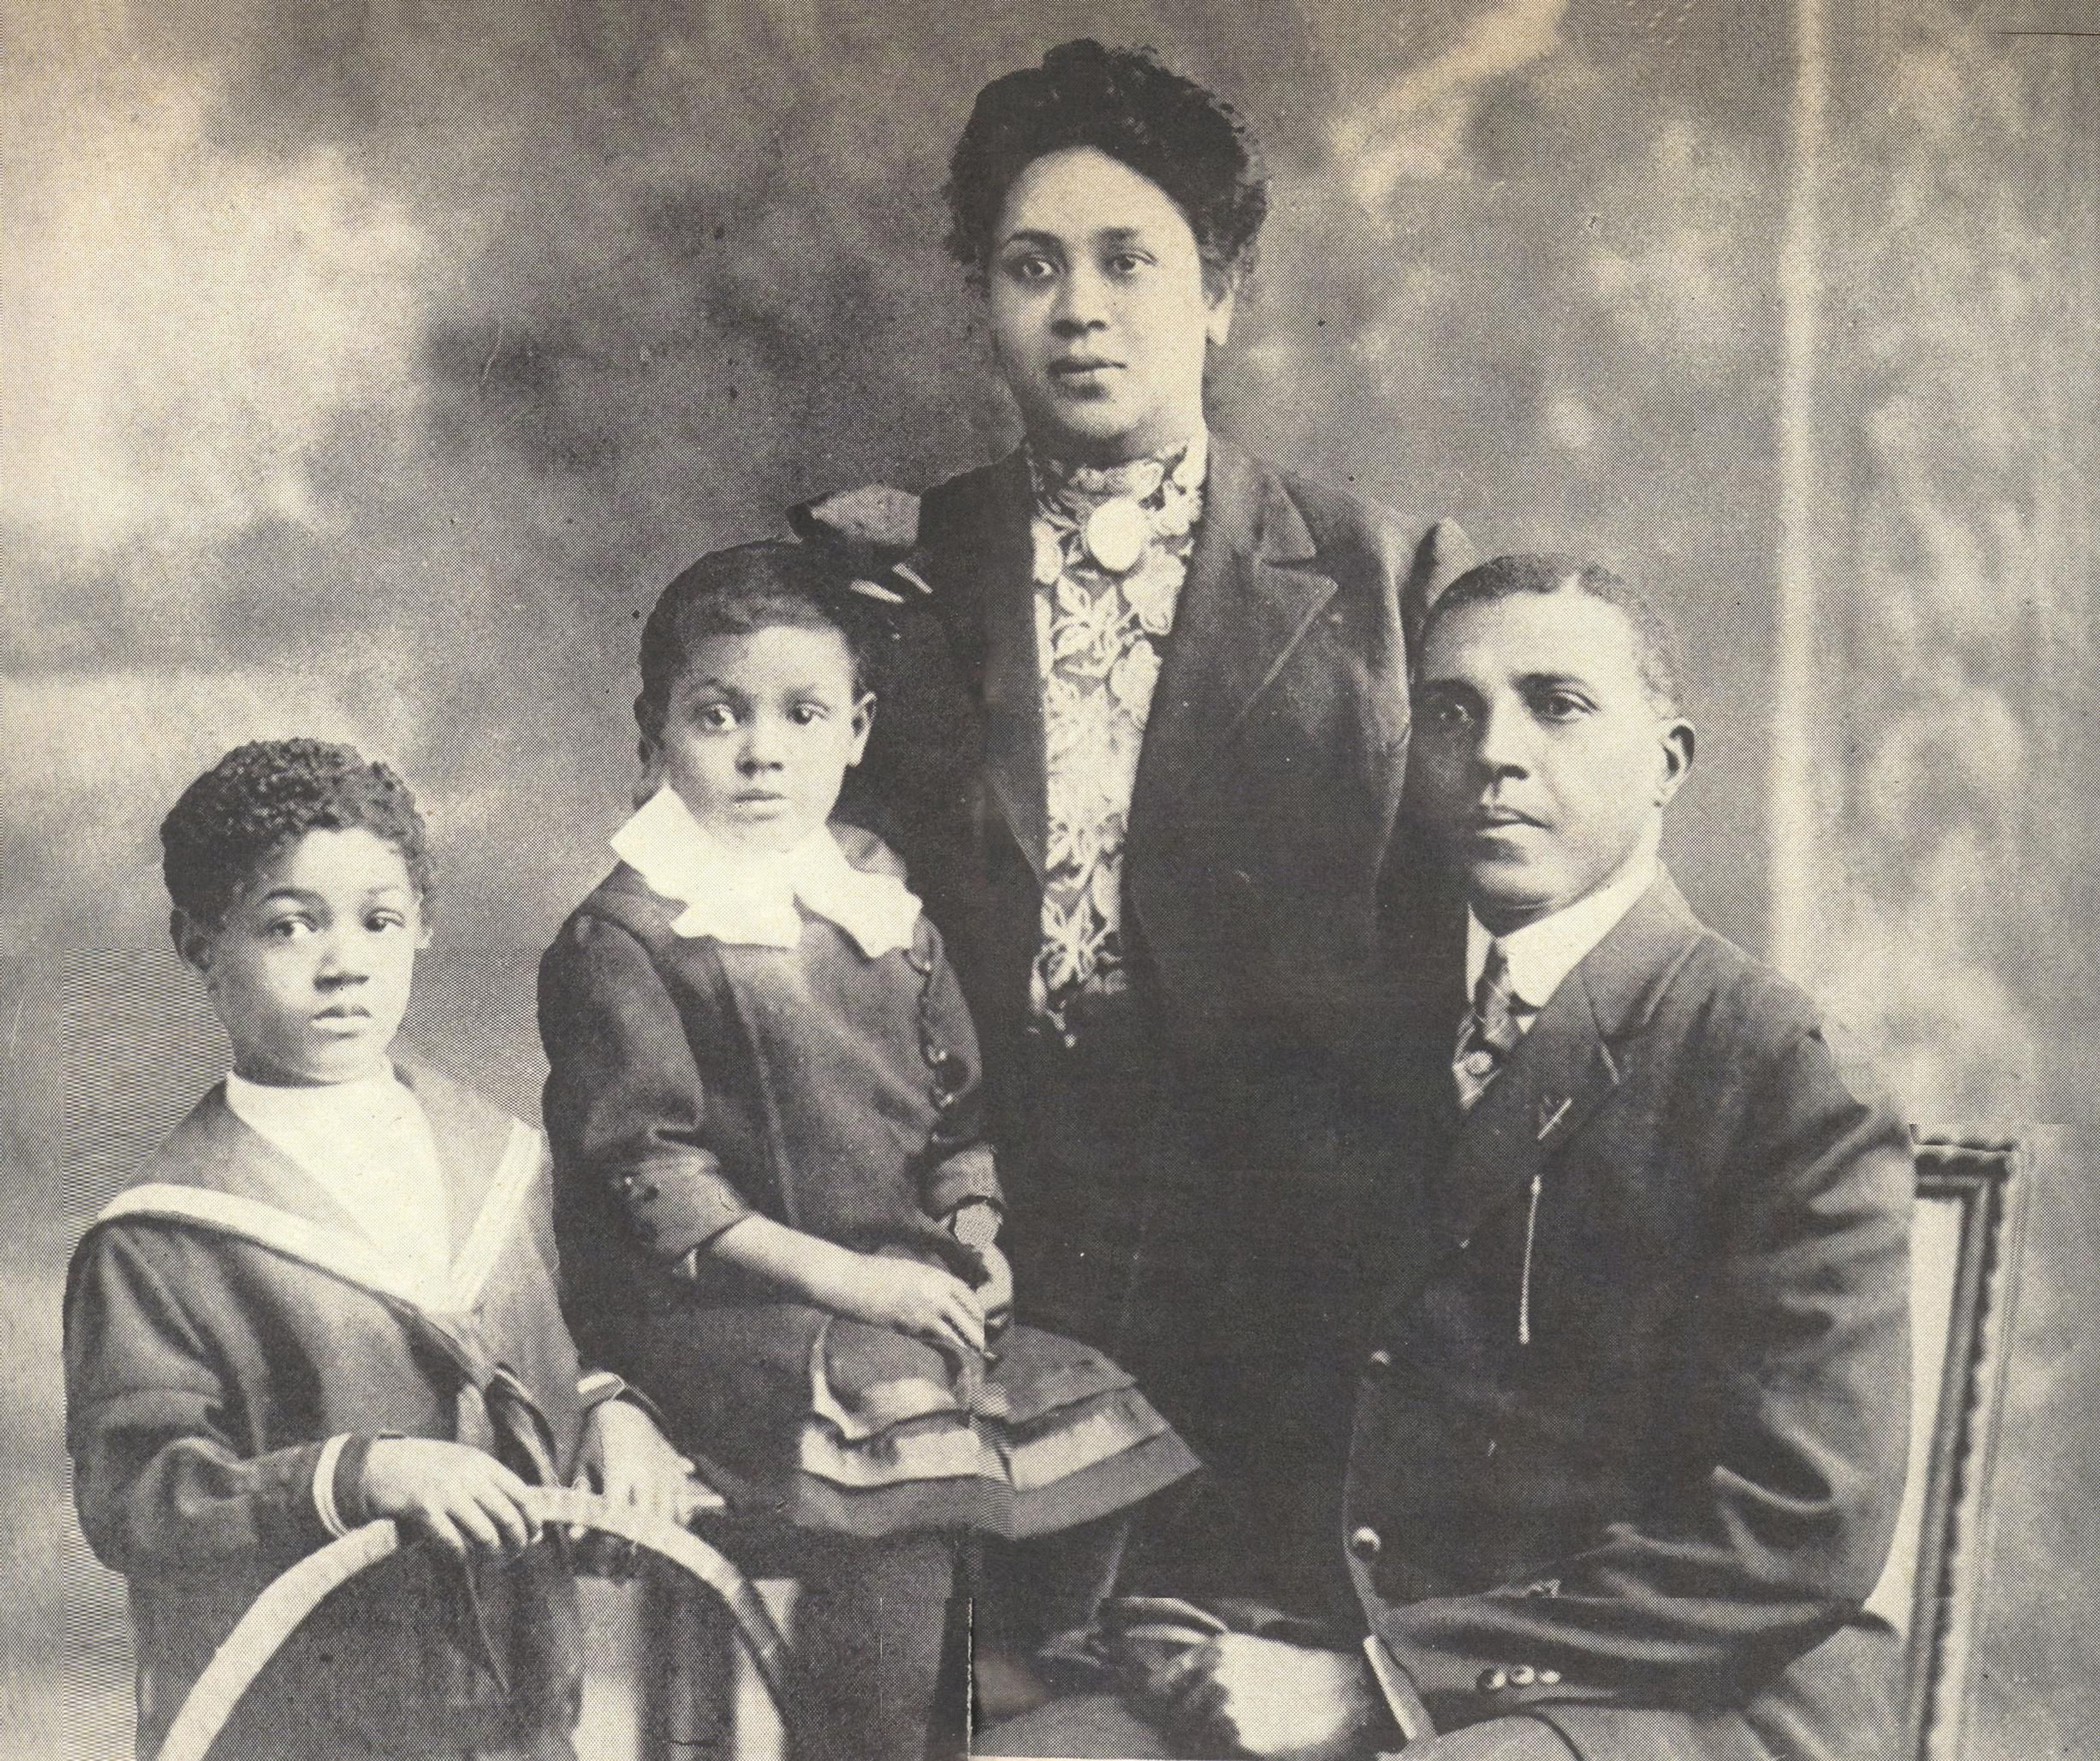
<point>1265,797</point>
<point>1681,1491</point>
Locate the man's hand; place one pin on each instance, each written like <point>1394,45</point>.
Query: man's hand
<point>455,1495</point>
<point>627,1460</point>
<point>1239,1695</point>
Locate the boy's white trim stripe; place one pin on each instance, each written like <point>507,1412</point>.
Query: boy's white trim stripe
<point>515,1175</point>
<point>324,1468</point>
<point>347,1256</point>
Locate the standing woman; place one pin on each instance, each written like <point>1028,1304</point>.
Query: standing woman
<point>1144,763</point>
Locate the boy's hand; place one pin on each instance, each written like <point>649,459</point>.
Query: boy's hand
<point>627,1460</point>
<point>457,1496</point>
<point>921,1301</point>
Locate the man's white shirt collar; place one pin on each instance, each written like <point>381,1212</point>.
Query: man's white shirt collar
<point>751,897</point>
<point>1541,954</point>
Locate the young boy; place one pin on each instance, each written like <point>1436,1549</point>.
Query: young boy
<point>775,1199</point>
<point>330,1298</point>
<point>1625,1422</point>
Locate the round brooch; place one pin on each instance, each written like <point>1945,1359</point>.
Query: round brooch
<point>1115,535</point>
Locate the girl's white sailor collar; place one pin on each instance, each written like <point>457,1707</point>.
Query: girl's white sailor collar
<point>749,897</point>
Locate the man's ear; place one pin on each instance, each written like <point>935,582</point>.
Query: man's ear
<point>863,724</point>
<point>1218,324</point>
<point>192,940</point>
<point>1679,742</point>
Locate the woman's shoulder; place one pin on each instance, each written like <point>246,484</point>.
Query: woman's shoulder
<point>1354,537</point>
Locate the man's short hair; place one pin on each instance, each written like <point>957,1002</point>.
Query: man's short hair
<point>1127,103</point>
<point>231,822</point>
<point>1503,577</point>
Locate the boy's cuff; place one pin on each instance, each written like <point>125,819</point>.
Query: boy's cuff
<point>597,1387</point>
<point>339,1483</point>
<point>326,1465</point>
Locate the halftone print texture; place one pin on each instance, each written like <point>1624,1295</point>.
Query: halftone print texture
<point>138,1047</point>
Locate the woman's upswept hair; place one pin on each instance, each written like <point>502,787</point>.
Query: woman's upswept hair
<point>1125,104</point>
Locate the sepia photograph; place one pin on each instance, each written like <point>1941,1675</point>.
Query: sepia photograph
<point>1129,879</point>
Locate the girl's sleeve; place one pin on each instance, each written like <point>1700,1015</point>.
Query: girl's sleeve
<point>625,1110</point>
<point>959,1165</point>
<point>159,1479</point>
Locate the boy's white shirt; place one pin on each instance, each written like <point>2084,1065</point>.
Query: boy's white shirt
<point>367,1144</point>
<point>751,897</point>
<point>1541,954</point>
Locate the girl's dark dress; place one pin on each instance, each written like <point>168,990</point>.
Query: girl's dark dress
<point>695,1081</point>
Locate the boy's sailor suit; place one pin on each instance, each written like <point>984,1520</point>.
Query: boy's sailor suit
<point>240,1330</point>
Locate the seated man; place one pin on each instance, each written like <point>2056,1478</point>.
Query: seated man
<point>1631,1392</point>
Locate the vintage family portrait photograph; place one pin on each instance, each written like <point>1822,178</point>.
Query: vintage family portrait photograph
<point>886,882</point>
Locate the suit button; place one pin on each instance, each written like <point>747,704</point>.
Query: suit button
<point>1491,1681</point>
<point>1522,1676</point>
<point>1365,1544</point>
<point>1379,1363</point>
<point>1549,1677</point>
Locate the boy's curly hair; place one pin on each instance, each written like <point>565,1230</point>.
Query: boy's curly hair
<point>231,821</point>
<point>1125,104</point>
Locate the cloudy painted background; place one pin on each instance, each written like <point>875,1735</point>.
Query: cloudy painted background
<point>368,366</point>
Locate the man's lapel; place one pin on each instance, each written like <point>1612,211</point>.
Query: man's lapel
<point>1251,592</point>
<point>1580,1049</point>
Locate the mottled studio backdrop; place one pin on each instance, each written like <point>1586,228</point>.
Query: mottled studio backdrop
<point>369,363</point>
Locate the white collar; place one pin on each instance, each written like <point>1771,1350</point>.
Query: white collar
<point>379,1098</point>
<point>750,896</point>
<point>367,1143</point>
<point>1541,954</point>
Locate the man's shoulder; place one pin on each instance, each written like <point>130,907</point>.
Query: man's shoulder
<point>1741,1024</point>
<point>1752,1000</point>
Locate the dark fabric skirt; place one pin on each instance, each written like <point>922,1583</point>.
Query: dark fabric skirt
<point>830,1425</point>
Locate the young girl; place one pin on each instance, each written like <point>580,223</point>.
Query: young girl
<point>329,1298</point>
<point>775,1208</point>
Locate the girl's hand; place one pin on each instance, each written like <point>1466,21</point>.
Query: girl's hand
<point>454,1495</point>
<point>920,1300</point>
<point>627,1460</point>
<point>995,1294</point>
